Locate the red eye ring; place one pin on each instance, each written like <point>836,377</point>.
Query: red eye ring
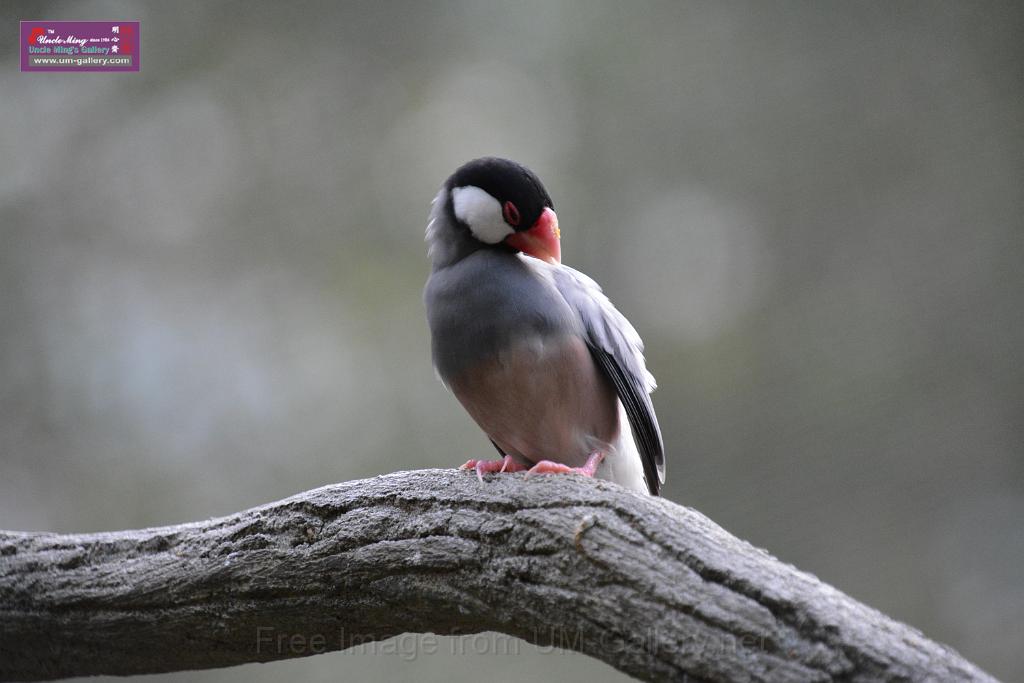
<point>510,213</point>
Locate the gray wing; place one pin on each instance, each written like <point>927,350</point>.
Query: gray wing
<point>618,351</point>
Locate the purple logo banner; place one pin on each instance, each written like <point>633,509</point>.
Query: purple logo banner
<point>80,46</point>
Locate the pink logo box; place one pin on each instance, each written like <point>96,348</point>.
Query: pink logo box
<point>80,46</point>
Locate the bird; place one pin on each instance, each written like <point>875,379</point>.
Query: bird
<point>534,350</point>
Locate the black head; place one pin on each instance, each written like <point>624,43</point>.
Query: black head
<point>518,191</point>
<point>496,204</point>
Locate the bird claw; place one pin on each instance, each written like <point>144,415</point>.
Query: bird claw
<point>506,464</point>
<point>552,467</point>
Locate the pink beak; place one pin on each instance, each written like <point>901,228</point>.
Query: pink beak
<point>541,240</point>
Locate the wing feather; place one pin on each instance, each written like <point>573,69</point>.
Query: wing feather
<point>618,351</point>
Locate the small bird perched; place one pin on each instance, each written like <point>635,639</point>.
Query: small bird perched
<point>534,350</point>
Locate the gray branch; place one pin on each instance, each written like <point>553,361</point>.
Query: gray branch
<point>652,588</point>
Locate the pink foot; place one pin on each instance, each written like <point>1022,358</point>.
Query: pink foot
<point>506,464</point>
<point>551,467</point>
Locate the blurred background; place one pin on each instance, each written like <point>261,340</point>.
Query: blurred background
<point>211,271</point>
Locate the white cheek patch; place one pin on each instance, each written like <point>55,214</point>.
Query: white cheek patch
<point>481,212</point>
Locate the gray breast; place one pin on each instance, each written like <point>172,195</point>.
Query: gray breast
<point>484,303</point>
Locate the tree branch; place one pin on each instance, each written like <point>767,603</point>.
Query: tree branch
<point>652,588</point>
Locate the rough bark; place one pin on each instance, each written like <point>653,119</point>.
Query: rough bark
<point>652,588</point>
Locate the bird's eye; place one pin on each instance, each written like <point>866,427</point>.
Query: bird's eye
<point>510,213</point>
